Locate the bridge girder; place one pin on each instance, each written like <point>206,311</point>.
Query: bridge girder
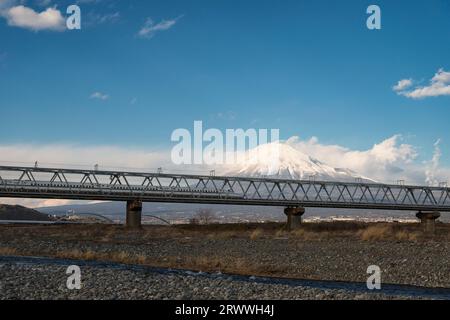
<point>30,182</point>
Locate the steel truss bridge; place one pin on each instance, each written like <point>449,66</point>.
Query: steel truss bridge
<point>56,183</point>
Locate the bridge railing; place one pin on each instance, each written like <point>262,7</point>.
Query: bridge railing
<point>24,181</point>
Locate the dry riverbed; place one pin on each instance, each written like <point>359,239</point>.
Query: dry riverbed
<point>325,251</point>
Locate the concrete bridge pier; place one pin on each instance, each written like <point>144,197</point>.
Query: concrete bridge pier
<point>294,217</point>
<point>428,220</point>
<point>134,214</point>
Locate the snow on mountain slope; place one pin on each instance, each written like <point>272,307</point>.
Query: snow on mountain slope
<point>281,160</point>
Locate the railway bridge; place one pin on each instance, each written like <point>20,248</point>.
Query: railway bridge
<point>294,195</point>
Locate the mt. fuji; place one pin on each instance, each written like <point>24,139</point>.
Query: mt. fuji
<point>282,161</point>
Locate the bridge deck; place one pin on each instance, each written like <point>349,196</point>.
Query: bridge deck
<point>55,183</point>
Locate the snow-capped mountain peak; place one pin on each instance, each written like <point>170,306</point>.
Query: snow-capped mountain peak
<point>281,160</point>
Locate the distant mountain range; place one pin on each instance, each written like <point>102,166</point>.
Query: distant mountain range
<point>9,212</point>
<point>224,213</point>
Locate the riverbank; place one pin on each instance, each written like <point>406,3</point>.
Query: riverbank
<point>325,251</point>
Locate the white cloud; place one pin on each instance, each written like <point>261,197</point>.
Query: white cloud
<point>93,19</point>
<point>402,85</point>
<point>24,17</point>
<point>149,29</point>
<point>227,115</point>
<point>387,161</point>
<point>99,95</point>
<point>37,203</point>
<point>108,18</point>
<point>83,157</point>
<point>432,166</point>
<point>439,86</point>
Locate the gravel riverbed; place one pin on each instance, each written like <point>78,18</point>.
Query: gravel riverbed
<point>47,281</point>
<point>424,262</point>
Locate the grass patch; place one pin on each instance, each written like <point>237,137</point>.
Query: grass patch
<point>379,232</point>
<point>256,234</point>
<point>313,231</point>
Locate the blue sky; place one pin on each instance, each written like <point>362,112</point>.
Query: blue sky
<point>309,68</point>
